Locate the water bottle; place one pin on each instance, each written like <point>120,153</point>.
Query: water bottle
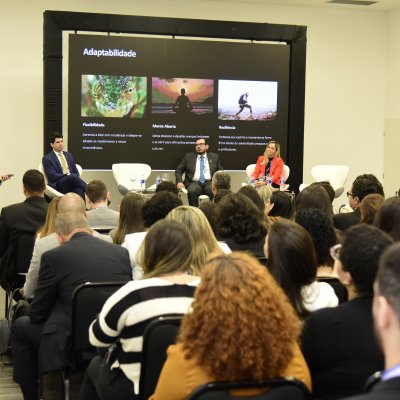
<point>158,180</point>
<point>142,181</point>
<point>269,180</point>
<point>282,185</point>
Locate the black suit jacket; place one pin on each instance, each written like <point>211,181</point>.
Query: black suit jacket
<point>25,217</point>
<point>82,259</point>
<point>188,165</point>
<point>344,221</point>
<point>388,390</point>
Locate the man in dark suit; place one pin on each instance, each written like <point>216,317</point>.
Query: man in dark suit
<point>39,339</point>
<point>25,217</point>
<point>362,186</point>
<point>60,168</point>
<point>386,312</point>
<point>199,168</point>
<point>18,225</point>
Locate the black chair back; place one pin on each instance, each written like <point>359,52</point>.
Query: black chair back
<point>87,302</point>
<point>275,389</point>
<point>158,335</point>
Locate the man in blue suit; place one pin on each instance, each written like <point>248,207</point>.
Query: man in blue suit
<point>60,168</point>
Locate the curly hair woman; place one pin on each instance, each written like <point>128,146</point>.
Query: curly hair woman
<point>242,327</point>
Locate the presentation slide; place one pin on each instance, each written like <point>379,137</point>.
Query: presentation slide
<point>146,100</point>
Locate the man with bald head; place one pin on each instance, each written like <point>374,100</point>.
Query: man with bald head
<point>39,339</point>
<point>71,202</point>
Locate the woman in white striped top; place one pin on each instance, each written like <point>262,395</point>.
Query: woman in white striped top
<point>167,287</point>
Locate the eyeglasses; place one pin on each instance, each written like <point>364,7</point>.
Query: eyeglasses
<point>200,144</point>
<point>350,194</point>
<point>334,251</point>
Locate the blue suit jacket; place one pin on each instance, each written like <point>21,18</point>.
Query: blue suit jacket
<point>52,167</point>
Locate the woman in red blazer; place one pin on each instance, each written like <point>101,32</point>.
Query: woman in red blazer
<point>270,163</point>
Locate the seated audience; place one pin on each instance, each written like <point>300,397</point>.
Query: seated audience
<point>387,325</point>
<point>362,186</point>
<point>280,206</point>
<point>69,203</point>
<point>388,217</point>
<point>219,194</point>
<point>328,187</point>
<point>130,217</point>
<point>242,327</point>
<point>265,192</point>
<point>208,208</point>
<point>314,196</point>
<point>168,186</point>
<point>240,224</point>
<point>220,180</point>
<point>339,343</point>
<point>99,215</point>
<point>154,209</point>
<point>252,194</point>
<point>320,227</point>
<point>370,206</point>
<point>48,227</point>
<point>39,339</point>
<point>292,261</point>
<point>203,238</point>
<point>166,288</point>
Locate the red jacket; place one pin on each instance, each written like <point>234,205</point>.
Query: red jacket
<point>275,170</point>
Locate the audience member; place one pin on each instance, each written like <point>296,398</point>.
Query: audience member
<point>281,205</point>
<point>39,339</point>
<point>241,328</point>
<point>99,215</point>
<point>130,217</point>
<point>339,343</point>
<point>25,217</point>
<point>320,227</point>
<point>270,163</point>
<point>199,168</point>
<point>220,194</point>
<point>362,186</point>
<point>314,196</point>
<point>60,168</point>
<point>370,206</point>
<point>240,224</point>
<point>292,261</point>
<point>168,186</point>
<point>154,209</point>
<point>70,202</point>
<point>18,225</point>
<point>208,208</point>
<point>203,238</point>
<point>387,325</point>
<point>220,180</point>
<point>388,218</point>
<point>48,227</point>
<point>328,187</point>
<point>252,194</point>
<point>265,193</point>
<point>167,288</point>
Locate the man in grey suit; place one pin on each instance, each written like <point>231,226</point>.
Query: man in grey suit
<point>386,311</point>
<point>199,168</point>
<point>38,340</point>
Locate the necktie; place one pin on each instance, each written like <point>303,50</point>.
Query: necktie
<point>202,177</point>
<point>64,164</point>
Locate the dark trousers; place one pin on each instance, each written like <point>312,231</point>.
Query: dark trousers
<point>103,383</point>
<point>25,341</point>
<point>71,183</point>
<point>195,189</point>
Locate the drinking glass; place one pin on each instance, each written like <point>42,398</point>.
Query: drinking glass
<point>165,176</point>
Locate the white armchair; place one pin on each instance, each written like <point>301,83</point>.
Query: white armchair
<point>335,174</point>
<point>128,175</point>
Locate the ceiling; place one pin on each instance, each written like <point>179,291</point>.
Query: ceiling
<point>380,5</point>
